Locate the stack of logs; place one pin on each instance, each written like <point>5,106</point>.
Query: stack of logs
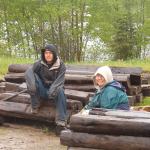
<point>78,88</point>
<point>146,84</point>
<point>108,130</point>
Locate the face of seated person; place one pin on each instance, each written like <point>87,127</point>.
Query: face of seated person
<point>48,56</point>
<point>100,80</point>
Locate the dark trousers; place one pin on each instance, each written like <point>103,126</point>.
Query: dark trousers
<point>39,92</point>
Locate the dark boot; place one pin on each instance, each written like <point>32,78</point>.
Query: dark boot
<point>60,125</point>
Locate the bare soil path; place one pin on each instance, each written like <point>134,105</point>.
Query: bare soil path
<point>27,137</point>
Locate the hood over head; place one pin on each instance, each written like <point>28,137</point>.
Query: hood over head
<point>105,71</point>
<point>53,49</point>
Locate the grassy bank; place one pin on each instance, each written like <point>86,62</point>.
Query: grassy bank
<point>6,61</point>
<point>145,63</point>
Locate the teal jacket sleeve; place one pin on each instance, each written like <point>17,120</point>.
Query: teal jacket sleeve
<point>94,102</point>
<point>109,98</point>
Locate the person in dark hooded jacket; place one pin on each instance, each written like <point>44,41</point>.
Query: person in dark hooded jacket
<point>45,80</point>
<point>110,93</point>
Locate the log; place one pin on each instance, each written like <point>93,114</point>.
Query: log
<point>25,98</point>
<point>69,78</point>
<point>134,90</point>
<point>20,68</point>
<point>139,98</point>
<point>145,78</point>
<point>1,120</point>
<point>2,83</point>
<point>132,100</point>
<point>74,105</point>
<point>15,77</point>
<point>2,88</point>
<point>107,142</point>
<point>14,95</point>
<point>79,148</point>
<point>146,90</point>
<point>135,79</point>
<point>21,98</point>
<point>12,86</point>
<point>127,70</point>
<point>120,113</point>
<point>20,110</point>
<point>116,70</point>
<point>1,80</point>
<point>110,125</point>
<point>70,94</point>
<point>145,81</point>
<point>78,79</point>
<point>142,108</point>
<point>77,95</point>
<point>89,79</point>
<point>82,87</point>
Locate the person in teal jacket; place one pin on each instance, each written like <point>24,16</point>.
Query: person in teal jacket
<point>110,93</point>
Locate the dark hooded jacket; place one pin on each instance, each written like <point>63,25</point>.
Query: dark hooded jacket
<point>53,75</point>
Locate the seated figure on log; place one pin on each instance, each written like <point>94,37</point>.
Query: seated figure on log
<point>45,81</point>
<point>110,93</point>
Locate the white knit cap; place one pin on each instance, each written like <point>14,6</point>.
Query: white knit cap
<point>105,71</point>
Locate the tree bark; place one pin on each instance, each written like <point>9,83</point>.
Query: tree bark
<point>106,142</point>
<point>79,148</point>
<point>110,125</point>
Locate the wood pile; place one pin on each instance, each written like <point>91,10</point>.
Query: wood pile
<point>79,78</point>
<point>20,105</point>
<point>146,84</point>
<point>78,88</point>
<point>108,130</point>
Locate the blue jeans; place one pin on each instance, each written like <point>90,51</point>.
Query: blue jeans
<point>41,93</point>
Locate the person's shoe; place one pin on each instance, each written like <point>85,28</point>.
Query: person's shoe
<point>34,110</point>
<point>60,125</point>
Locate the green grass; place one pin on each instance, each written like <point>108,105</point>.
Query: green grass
<point>6,61</point>
<point>145,102</point>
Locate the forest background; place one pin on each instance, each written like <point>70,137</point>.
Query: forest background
<point>82,30</point>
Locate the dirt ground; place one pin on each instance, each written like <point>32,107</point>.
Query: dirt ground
<point>28,137</point>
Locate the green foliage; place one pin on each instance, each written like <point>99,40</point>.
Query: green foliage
<point>27,25</point>
<point>123,43</point>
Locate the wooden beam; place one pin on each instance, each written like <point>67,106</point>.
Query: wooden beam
<point>82,87</point>
<point>100,141</point>
<point>21,110</point>
<point>80,148</point>
<point>110,125</point>
<point>120,113</point>
<point>19,68</point>
<point>25,98</point>
<point>77,95</point>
